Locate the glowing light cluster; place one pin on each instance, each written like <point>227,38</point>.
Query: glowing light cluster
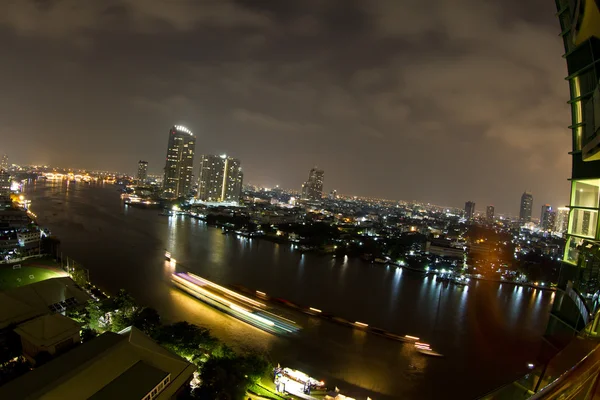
<point>181,128</point>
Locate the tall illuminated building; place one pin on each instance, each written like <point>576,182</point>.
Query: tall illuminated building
<point>4,162</point>
<point>142,172</point>
<point>579,275</point>
<point>4,185</point>
<point>546,217</point>
<point>561,221</point>
<point>312,189</point>
<point>469,210</point>
<point>526,206</point>
<point>180,162</point>
<point>220,179</point>
<point>489,213</point>
<point>580,23</point>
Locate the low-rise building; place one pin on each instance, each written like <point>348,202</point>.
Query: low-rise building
<point>51,333</point>
<point>127,365</point>
<point>29,239</point>
<point>45,297</point>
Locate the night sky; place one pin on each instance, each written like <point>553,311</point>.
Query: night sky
<point>440,101</point>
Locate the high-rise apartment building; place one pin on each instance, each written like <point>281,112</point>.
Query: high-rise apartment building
<point>580,270</point>
<point>4,185</point>
<point>581,36</point>
<point>220,179</point>
<point>469,210</point>
<point>4,162</point>
<point>546,217</point>
<point>312,189</point>
<point>526,206</point>
<point>142,172</point>
<point>489,213</point>
<point>561,221</point>
<point>180,162</point>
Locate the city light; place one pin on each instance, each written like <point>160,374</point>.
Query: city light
<point>181,128</point>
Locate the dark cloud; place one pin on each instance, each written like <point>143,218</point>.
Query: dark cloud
<point>437,101</point>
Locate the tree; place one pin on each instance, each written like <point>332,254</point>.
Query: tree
<point>255,366</point>
<point>95,318</point>
<point>125,304</point>
<point>231,377</point>
<point>187,340</point>
<point>147,320</point>
<point>222,379</point>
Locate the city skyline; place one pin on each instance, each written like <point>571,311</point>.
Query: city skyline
<point>319,105</point>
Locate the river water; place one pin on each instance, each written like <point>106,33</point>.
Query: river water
<point>488,332</point>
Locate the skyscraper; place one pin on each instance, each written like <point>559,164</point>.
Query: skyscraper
<point>561,221</point>
<point>546,218</point>
<point>4,185</point>
<point>469,210</point>
<point>142,172</point>
<point>526,206</point>
<point>312,189</point>
<point>180,162</point>
<point>4,163</point>
<point>581,39</point>
<point>580,270</point>
<point>220,179</point>
<point>489,213</point>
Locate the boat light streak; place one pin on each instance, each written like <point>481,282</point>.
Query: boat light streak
<point>249,314</point>
<point>229,292</point>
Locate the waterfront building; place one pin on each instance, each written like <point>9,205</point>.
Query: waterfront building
<point>124,365</point>
<point>489,213</point>
<point>546,217</point>
<point>312,189</point>
<point>574,308</point>
<point>23,303</point>
<point>220,179</point>
<point>142,171</point>
<point>526,207</point>
<point>180,162</point>
<point>469,210</point>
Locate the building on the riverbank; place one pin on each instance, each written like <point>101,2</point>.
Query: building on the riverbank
<point>51,333</point>
<point>142,171</point>
<point>220,179</point>
<point>41,298</point>
<point>127,365</point>
<point>180,162</point>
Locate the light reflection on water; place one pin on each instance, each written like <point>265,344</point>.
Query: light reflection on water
<point>401,301</point>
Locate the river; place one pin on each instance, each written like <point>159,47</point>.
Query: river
<point>488,331</point>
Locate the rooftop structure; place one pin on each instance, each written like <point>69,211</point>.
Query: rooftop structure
<point>128,365</point>
<point>27,302</point>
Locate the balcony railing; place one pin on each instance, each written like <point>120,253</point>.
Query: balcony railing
<point>571,374</point>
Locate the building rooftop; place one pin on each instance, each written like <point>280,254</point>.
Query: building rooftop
<point>26,302</point>
<point>97,368</point>
<point>48,329</point>
<point>135,383</point>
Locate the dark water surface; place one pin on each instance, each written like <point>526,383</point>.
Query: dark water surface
<point>488,332</point>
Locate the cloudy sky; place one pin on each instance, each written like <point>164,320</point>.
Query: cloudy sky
<point>440,101</point>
